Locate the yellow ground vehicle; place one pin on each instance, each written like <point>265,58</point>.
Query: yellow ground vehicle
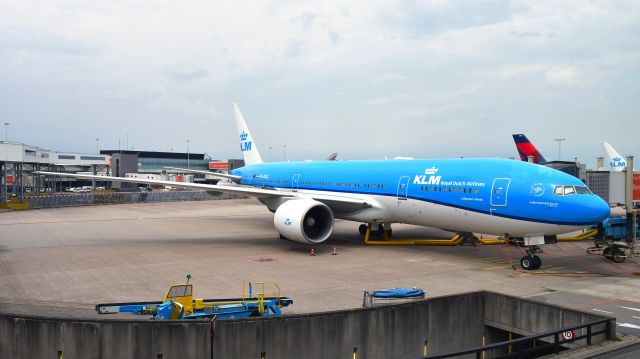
<point>179,303</point>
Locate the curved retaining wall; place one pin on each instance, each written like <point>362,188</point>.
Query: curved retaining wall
<point>399,331</point>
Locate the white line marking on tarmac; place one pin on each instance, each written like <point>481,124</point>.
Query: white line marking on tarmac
<point>627,325</point>
<point>603,311</point>
<point>538,294</point>
<point>635,317</point>
<point>636,309</point>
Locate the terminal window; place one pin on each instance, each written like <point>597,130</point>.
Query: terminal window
<point>91,158</point>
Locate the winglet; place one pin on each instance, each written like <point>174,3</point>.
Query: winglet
<point>616,161</point>
<point>247,144</point>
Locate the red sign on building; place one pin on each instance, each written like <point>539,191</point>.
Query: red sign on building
<point>9,179</point>
<point>179,178</point>
<point>218,165</point>
<point>636,186</point>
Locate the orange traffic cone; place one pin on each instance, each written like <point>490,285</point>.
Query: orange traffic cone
<point>335,253</point>
<point>312,253</point>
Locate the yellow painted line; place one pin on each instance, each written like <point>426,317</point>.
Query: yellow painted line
<point>553,267</point>
<point>497,267</point>
<point>494,260</point>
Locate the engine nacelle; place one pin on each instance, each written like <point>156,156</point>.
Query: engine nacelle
<point>304,220</point>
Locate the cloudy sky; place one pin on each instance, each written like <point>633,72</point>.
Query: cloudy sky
<point>364,78</point>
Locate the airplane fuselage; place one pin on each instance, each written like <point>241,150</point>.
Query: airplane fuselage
<point>493,196</point>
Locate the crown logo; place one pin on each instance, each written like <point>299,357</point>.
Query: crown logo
<point>431,171</point>
<point>243,136</point>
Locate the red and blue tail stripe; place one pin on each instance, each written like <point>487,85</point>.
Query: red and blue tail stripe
<point>526,149</point>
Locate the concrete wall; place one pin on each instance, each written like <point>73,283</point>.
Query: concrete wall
<point>448,323</point>
<point>526,317</point>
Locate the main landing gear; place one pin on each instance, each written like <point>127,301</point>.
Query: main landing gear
<point>531,261</point>
<point>363,229</point>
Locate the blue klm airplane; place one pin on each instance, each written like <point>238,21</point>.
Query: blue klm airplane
<point>526,202</point>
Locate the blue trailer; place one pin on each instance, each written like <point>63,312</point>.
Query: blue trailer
<point>180,304</point>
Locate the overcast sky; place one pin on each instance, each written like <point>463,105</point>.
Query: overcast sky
<point>364,78</point>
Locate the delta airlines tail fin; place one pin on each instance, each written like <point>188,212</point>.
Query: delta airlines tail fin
<point>616,161</point>
<point>247,144</point>
<point>526,148</point>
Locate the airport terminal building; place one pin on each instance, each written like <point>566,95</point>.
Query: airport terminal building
<point>18,161</point>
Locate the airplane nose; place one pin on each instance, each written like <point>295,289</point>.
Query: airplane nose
<point>599,209</point>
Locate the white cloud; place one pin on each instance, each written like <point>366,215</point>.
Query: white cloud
<point>388,78</point>
<point>567,75</point>
<point>494,63</point>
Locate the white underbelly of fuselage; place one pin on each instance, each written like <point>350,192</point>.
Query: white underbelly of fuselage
<point>422,213</point>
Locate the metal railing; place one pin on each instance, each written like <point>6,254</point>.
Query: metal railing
<point>553,346</point>
<point>88,199</point>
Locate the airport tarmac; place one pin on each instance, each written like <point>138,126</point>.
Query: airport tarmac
<point>63,261</point>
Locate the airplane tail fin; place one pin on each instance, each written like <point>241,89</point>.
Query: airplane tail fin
<point>526,148</point>
<point>247,144</point>
<point>615,160</point>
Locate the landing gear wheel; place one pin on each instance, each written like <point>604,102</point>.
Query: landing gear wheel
<point>537,262</point>
<point>381,229</point>
<point>527,263</point>
<point>362,229</point>
<point>607,252</point>
<point>618,256</point>
<point>531,261</point>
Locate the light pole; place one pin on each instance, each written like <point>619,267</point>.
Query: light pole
<point>97,145</point>
<point>6,136</point>
<point>270,153</point>
<point>188,154</point>
<point>284,153</point>
<point>560,147</point>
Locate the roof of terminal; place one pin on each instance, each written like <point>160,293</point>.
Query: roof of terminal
<point>157,154</point>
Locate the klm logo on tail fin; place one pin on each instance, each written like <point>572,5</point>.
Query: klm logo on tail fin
<point>248,145</point>
<point>618,162</point>
<point>244,144</point>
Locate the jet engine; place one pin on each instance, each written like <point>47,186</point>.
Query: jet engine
<point>304,221</point>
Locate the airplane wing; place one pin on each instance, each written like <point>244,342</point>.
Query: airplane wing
<point>223,175</point>
<point>262,193</point>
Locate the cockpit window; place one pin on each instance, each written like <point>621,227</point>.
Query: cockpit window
<point>567,190</point>
<point>583,190</point>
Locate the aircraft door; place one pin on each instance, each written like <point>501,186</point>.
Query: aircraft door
<point>295,181</point>
<point>403,186</point>
<point>499,192</point>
